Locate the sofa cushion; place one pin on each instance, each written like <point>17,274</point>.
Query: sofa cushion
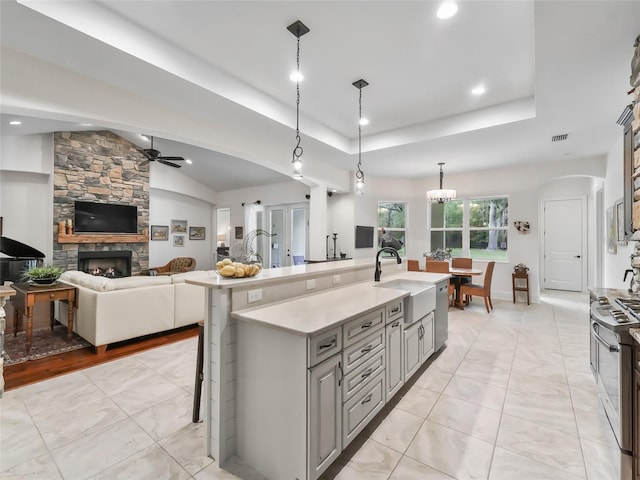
<point>103,284</point>
<point>135,282</point>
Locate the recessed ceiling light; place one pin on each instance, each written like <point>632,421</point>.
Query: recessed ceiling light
<point>479,90</point>
<point>189,161</point>
<point>15,122</point>
<point>86,124</point>
<point>364,121</point>
<point>447,10</point>
<point>296,77</point>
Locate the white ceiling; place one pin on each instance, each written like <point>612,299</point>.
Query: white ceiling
<point>549,67</point>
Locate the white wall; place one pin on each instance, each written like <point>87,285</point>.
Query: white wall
<point>165,206</point>
<point>26,190</point>
<point>27,208</point>
<point>615,264</point>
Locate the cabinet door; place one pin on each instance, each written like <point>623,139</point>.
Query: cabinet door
<point>427,346</point>
<point>395,376</point>
<point>412,340</point>
<point>325,415</point>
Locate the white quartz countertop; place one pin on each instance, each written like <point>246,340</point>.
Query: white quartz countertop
<point>313,314</point>
<point>272,275</point>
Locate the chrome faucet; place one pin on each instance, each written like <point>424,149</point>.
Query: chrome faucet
<point>392,251</point>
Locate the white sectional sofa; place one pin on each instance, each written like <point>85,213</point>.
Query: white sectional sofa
<point>113,310</point>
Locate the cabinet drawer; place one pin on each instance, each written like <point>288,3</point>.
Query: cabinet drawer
<point>363,325</point>
<point>357,413</point>
<point>395,310</point>
<point>59,295</point>
<point>359,377</point>
<point>324,345</point>
<point>360,352</point>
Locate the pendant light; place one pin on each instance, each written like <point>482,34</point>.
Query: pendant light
<point>442,194</point>
<point>298,29</point>
<point>360,84</point>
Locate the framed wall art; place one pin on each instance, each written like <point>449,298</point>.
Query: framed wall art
<point>160,232</point>
<point>620,230</point>
<point>196,233</point>
<point>611,230</point>
<point>178,226</point>
<point>178,240</point>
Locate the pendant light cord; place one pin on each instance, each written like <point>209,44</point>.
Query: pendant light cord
<point>297,151</point>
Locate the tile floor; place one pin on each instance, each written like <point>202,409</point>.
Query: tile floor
<point>511,397</point>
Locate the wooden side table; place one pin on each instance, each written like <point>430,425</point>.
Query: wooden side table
<point>522,287</point>
<point>28,295</point>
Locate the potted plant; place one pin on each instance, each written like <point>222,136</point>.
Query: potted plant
<point>43,275</point>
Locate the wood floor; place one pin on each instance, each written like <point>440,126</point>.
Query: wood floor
<point>37,370</point>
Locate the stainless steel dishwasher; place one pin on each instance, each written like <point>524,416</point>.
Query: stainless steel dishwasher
<point>441,325</point>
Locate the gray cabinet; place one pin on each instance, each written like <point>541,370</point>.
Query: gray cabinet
<point>441,320</point>
<point>395,349</point>
<point>325,415</point>
<point>412,348</point>
<point>418,344</point>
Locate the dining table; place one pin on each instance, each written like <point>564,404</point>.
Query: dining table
<point>462,272</point>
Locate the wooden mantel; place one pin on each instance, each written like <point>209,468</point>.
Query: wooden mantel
<point>102,238</point>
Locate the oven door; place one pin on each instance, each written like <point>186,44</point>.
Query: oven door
<point>613,390</point>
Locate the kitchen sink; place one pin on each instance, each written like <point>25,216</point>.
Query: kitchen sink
<point>421,299</point>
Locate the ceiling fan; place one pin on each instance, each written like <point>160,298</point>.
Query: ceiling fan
<point>154,155</point>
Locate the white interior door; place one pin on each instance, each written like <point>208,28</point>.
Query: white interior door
<point>289,227</point>
<point>563,243</point>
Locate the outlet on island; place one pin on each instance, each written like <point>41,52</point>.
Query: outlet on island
<point>311,284</point>
<point>254,295</point>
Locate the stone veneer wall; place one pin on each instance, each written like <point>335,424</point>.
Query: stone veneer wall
<point>635,126</point>
<point>98,167</point>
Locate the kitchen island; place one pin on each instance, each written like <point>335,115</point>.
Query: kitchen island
<point>325,298</point>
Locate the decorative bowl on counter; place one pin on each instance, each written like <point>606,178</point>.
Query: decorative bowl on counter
<point>229,269</point>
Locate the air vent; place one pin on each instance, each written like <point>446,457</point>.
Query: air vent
<point>559,138</point>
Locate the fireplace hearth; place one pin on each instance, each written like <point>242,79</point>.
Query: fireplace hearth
<point>110,264</point>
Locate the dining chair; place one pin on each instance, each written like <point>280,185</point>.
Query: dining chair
<point>481,290</point>
<point>413,266</point>
<point>436,266</point>
<point>462,262</point>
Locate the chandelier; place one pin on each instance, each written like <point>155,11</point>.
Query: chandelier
<point>442,194</point>
<point>298,29</point>
<point>360,84</point>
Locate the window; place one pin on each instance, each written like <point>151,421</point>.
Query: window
<point>392,225</point>
<point>476,228</point>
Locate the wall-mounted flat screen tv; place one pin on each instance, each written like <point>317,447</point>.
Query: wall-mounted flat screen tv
<point>105,218</point>
<point>364,237</point>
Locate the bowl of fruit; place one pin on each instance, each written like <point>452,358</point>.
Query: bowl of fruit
<point>227,268</point>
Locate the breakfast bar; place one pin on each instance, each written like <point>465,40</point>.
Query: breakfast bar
<point>298,347</point>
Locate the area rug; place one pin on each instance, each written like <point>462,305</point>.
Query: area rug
<point>43,344</point>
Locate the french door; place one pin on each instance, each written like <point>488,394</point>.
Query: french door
<point>289,226</point>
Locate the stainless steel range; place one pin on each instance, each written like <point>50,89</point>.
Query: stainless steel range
<point>611,354</point>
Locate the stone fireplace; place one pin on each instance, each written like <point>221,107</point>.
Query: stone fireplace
<point>99,167</point>
<point>111,264</point>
